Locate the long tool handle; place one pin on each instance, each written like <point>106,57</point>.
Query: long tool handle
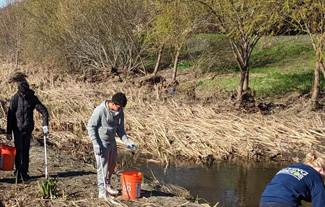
<point>45,157</point>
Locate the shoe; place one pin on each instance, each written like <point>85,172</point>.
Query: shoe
<point>102,195</point>
<point>26,176</point>
<point>111,190</point>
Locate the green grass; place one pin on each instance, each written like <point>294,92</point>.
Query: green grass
<point>279,65</point>
<point>283,52</point>
<point>274,84</point>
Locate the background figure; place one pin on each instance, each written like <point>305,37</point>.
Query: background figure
<point>107,120</point>
<point>297,182</point>
<point>20,121</point>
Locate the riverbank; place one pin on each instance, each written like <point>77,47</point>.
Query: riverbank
<point>77,184</point>
<point>173,127</point>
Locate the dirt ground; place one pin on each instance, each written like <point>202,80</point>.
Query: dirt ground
<point>76,184</point>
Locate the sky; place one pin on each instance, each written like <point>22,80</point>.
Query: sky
<point>2,3</point>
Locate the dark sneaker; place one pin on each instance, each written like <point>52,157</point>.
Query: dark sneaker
<point>26,176</point>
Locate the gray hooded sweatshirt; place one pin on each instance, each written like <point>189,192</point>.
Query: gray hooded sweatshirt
<point>103,124</point>
<point>102,128</point>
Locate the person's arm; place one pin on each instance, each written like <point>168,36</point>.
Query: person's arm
<point>42,110</point>
<point>318,193</point>
<point>93,125</point>
<point>120,130</point>
<point>121,133</point>
<point>11,115</point>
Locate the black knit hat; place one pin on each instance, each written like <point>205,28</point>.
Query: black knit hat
<point>23,87</point>
<point>119,99</point>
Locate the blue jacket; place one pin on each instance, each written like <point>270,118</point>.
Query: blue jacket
<point>295,183</point>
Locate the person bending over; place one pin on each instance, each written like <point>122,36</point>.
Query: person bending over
<point>291,185</point>
<point>107,120</point>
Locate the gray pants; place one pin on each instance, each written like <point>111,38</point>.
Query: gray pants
<point>105,162</point>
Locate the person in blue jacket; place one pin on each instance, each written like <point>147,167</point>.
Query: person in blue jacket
<point>291,185</point>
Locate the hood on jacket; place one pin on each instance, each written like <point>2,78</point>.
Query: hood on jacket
<point>23,87</point>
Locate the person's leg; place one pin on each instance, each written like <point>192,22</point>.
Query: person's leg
<point>18,140</point>
<point>112,159</point>
<point>101,164</point>
<point>25,157</point>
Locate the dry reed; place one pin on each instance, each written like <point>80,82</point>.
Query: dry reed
<point>171,129</point>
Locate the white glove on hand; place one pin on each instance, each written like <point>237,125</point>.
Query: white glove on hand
<point>9,137</point>
<point>131,145</point>
<point>46,130</point>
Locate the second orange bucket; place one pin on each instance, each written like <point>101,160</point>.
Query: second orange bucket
<point>131,184</point>
<point>7,157</point>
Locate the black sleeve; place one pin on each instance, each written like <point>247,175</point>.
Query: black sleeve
<point>11,117</point>
<point>42,109</point>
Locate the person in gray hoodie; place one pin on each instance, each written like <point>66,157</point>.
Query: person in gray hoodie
<point>106,121</point>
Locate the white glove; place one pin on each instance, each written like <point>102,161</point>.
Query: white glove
<point>46,130</point>
<point>9,137</point>
<point>129,143</point>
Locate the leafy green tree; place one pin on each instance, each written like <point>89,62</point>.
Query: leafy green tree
<point>244,22</point>
<point>172,24</point>
<point>157,33</point>
<point>308,15</point>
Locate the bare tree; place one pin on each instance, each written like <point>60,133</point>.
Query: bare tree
<point>88,34</point>
<point>11,29</point>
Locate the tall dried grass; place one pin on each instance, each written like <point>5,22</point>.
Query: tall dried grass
<point>167,130</point>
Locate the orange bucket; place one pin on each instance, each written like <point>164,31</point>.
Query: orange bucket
<point>7,157</point>
<point>131,184</point>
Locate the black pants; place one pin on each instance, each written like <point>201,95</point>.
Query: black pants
<point>22,144</point>
<point>274,204</point>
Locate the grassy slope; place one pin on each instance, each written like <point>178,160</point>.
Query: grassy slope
<point>278,66</point>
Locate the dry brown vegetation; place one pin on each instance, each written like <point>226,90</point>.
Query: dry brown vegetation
<point>171,128</point>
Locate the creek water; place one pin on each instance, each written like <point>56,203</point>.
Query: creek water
<point>226,184</point>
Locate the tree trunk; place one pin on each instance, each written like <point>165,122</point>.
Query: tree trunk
<point>175,65</point>
<point>158,60</point>
<point>246,80</point>
<point>316,86</point>
<point>240,86</point>
<point>322,68</point>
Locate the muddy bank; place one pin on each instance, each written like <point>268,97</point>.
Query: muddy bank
<point>77,184</point>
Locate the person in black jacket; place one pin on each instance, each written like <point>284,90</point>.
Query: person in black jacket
<point>20,122</point>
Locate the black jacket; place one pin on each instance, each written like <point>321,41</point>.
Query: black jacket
<point>20,113</point>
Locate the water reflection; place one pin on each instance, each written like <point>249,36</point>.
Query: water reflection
<point>237,184</point>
